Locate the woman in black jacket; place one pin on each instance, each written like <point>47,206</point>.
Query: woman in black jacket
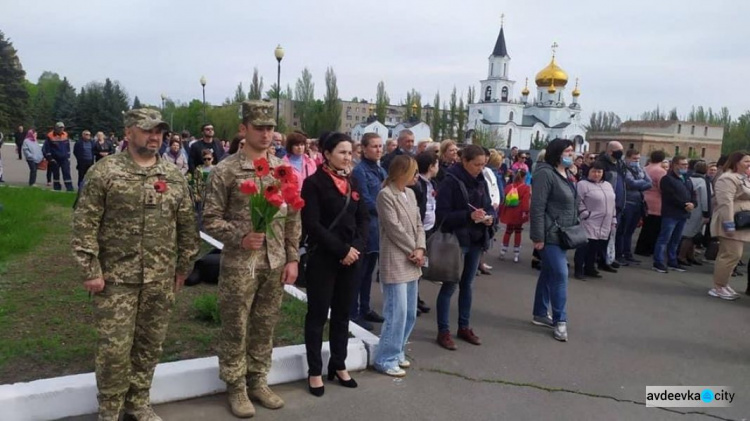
<point>464,208</point>
<point>336,222</point>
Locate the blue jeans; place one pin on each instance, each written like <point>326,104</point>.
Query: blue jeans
<point>361,303</point>
<point>625,229</point>
<point>32,172</point>
<point>471,263</point>
<point>400,313</point>
<point>668,240</point>
<point>552,285</point>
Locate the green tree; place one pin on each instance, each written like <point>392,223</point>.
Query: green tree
<point>256,87</point>
<point>330,119</point>
<point>64,107</point>
<point>14,97</point>
<point>470,95</point>
<point>452,115</point>
<point>538,143</point>
<point>738,136</point>
<point>435,118</point>
<point>381,102</point>
<point>461,118</point>
<point>307,110</point>
<point>239,94</point>
<point>603,121</point>
<point>654,115</point>
<point>487,138</point>
<point>137,103</point>
<point>43,100</point>
<point>673,115</point>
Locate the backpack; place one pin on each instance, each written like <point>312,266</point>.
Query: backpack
<point>512,199</point>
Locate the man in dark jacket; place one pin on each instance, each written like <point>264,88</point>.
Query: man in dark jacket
<point>636,182</point>
<point>677,201</point>
<point>83,150</point>
<point>19,136</point>
<point>56,150</point>
<point>207,142</point>
<point>614,173</point>
<point>370,177</point>
<point>405,146</point>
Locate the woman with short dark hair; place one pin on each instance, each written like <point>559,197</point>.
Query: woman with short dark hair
<point>464,208</point>
<point>303,165</point>
<point>336,222</point>
<point>699,216</point>
<point>553,206</point>
<point>597,213</point>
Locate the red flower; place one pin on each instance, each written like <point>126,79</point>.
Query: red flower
<point>298,203</point>
<point>289,192</point>
<point>284,173</point>
<point>262,168</point>
<point>275,200</point>
<point>355,196</point>
<point>434,193</point>
<point>271,190</point>
<point>161,186</point>
<point>248,187</point>
<point>292,179</point>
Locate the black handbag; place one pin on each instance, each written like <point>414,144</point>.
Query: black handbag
<point>572,237</point>
<point>742,220</point>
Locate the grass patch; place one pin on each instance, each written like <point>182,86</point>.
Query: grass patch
<point>46,318</point>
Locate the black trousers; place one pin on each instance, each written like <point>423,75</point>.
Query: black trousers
<point>649,234</point>
<point>586,256</point>
<point>330,285</point>
<point>83,168</point>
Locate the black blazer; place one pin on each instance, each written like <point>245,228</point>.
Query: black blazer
<point>323,202</point>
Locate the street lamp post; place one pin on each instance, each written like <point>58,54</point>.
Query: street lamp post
<point>279,53</point>
<point>203,84</point>
<point>163,100</point>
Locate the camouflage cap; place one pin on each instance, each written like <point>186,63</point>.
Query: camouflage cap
<point>59,125</point>
<point>258,113</point>
<point>144,118</point>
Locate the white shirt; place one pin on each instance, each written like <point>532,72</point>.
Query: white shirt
<point>492,186</point>
<point>429,215</point>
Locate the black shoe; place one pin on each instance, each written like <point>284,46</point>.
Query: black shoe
<point>536,264</point>
<point>633,261</point>
<point>684,262</point>
<point>592,274</point>
<point>315,391</point>
<point>364,324</point>
<point>615,264</point>
<point>579,276</point>
<point>346,383</point>
<point>374,317</point>
<point>419,312</point>
<point>695,262</point>
<point>621,262</point>
<point>676,267</point>
<point>740,264</point>
<point>608,268</point>
<point>422,306</point>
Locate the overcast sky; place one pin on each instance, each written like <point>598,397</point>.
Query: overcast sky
<point>629,55</point>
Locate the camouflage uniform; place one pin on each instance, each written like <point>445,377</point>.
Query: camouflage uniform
<point>249,308</point>
<point>136,239</point>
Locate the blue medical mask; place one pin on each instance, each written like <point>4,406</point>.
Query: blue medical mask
<point>683,172</point>
<point>634,164</point>
<point>567,161</point>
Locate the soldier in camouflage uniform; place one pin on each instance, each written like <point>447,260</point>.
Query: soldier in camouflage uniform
<point>135,237</point>
<point>249,307</point>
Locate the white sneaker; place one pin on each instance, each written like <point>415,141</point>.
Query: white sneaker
<point>722,293</point>
<point>502,254</point>
<point>516,259</point>
<point>731,291</point>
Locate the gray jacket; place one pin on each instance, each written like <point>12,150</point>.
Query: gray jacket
<point>553,199</point>
<point>636,182</point>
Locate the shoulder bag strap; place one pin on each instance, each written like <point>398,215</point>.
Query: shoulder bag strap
<point>343,210</point>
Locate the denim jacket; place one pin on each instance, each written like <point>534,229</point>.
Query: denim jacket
<point>370,177</point>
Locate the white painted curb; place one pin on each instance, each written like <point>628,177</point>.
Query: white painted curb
<point>75,395</point>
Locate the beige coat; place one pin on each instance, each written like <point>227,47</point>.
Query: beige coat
<point>732,194</point>
<point>401,233</point>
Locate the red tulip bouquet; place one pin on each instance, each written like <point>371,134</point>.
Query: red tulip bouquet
<point>268,198</point>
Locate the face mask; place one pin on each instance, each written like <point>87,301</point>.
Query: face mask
<point>683,171</point>
<point>617,155</point>
<point>634,164</point>
<point>567,161</point>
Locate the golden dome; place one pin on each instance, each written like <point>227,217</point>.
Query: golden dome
<point>576,91</point>
<point>525,88</point>
<point>552,74</point>
<point>552,89</point>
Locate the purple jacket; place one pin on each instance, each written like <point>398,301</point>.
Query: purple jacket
<point>596,208</point>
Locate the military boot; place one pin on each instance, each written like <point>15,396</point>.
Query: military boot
<point>109,415</point>
<point>144,413</point>
<point>239,402</point>
<point>266,397</point>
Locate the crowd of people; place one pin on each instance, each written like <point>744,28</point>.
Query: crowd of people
<point>370,210</point>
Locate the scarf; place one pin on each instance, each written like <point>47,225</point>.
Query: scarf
<point>296,161</point>
<point>340,179</point>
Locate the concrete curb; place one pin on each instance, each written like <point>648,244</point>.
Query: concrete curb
<point>75,395</point>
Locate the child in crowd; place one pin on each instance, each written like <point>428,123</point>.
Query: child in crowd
<point>515,212</point>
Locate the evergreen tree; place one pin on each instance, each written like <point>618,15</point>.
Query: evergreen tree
<point>137,103</point>
<point>737,138</point>
<point>461,119</point>
<point>307,110</point>
<point>452,115</point>
<point>14,97</point>
<point>604,122</point>
<point>381,102</point>
<point>256,87</point>
<point>239,94</point>
<point>435,119</point>
<point>331,118</point>
<point>470,95</point>
<point>64,107</point>
<point>42,102</point>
